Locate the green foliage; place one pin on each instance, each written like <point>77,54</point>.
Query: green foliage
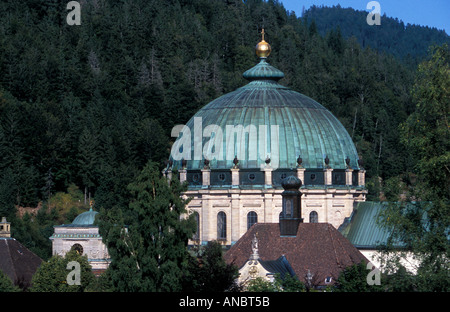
<point>423,224</point>
<point>150,254</point>
<point>67,205</point>
<point>292,284</point>
<point>422,237</point>
<point>400,281</point>
<point>426,132</point>
<point>287,284</point>
<point>51,276</point>
<point>33,231</point>
<point>354,279</point>
<point>408,42</point>
<point>6,285</point>
<point>91,105</point>
<point>260,284</point>
<point>210,272</point>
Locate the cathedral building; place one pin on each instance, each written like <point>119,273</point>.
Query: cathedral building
<point>235,151</point>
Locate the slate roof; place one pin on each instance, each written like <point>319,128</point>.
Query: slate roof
<point>318,247</point>
<point>18,262</point>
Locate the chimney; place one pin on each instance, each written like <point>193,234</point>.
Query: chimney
<point>5,228</point>
<point>291,206</point>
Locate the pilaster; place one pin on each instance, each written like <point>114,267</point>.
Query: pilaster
<point>206,177</point>
<point>301,174</point>
<point>235,177</point>
<point>328,176</point>
<point>348,176</point>
<point>183,175</point>
<point>362,177</point>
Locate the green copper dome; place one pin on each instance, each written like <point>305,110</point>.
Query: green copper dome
<point>276,123</point>
<point>85,218</point>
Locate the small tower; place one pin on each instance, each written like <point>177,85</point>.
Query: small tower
<point>5,228</point>
<point>291,206</point>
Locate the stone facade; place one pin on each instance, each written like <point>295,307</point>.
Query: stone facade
<point>323,204</point>
<point>65,238</point>
<point>83,236</point>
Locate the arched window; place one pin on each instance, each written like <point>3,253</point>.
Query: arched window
<point>221,225</point>
<point>197,229</point>
<point>252,218</point>
<point>313,217</point>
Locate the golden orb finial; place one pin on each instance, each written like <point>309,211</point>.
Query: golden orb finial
<point>263,49</point>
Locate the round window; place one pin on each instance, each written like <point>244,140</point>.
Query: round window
<point>78,248</point>
<point>221,177</point>
<point>251,176</point>
<point>195,177</point>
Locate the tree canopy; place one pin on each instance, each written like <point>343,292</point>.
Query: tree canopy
<point>89,105</point>
<point>148,241</point>
<point>423,224</point>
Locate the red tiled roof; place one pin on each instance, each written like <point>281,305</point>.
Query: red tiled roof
<point>318,247</point>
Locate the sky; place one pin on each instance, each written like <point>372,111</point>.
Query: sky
<point>432,13</point>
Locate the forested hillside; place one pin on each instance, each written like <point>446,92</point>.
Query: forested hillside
<point>83,108</point>
<point>408,42</point>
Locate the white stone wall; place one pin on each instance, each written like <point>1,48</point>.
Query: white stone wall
<point>332,206</point>
<point>88,237</point>
<point>380,261</point>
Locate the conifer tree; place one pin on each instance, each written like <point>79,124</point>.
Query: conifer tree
<point>6,284</point>
<point>150,253</point>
